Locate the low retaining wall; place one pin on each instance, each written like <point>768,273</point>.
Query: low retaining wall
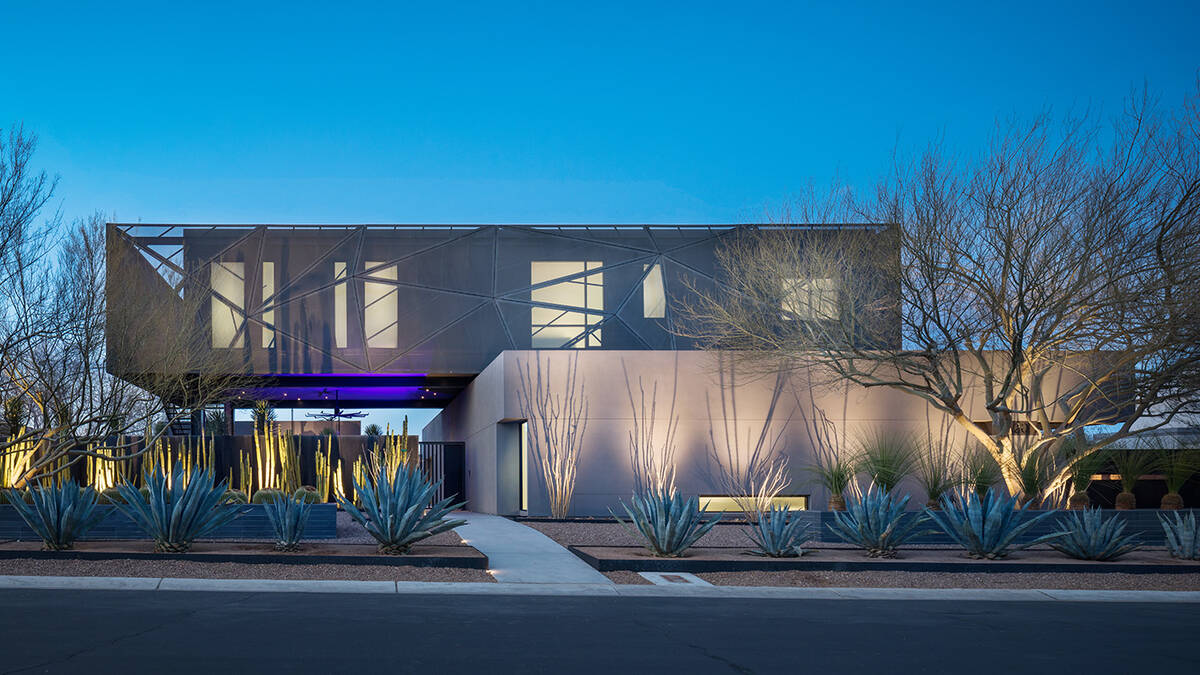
<point>252,524</point>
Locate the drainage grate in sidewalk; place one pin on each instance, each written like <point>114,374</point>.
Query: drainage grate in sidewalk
<point>673,578</point>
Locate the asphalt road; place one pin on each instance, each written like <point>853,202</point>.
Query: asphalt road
<point>193,632</point>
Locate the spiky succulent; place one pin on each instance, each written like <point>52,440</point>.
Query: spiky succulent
<point>666,523</point>
<point>876,523</point>
<point>988,526</point>
<point>1088,536</point>
<point>1182,535</point>
<point>176,513</point>
<point>778,533</point>
<point>58,514</point>
<point>394,509</point>
<point>288,518</point>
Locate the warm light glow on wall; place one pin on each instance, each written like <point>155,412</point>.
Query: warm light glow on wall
<point>229,280</point>
<point>380,313</point>
<point>339,305</point>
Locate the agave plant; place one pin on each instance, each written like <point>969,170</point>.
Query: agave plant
<point>779,534</point>
<point>988,526</point>
<point>887,457</point>
<point>1087,536</point>
<point>58,514</point>
<point>877,523</point>
<point>397,509</point>
<point>1182,535</point>
<point>666,522</point>
<point>177,512</point>
<point>288,518</point>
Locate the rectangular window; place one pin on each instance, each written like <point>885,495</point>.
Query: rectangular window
<point>654,296</point>
<point>339,304</point>
<point>380,313</point>
<point>810,299</point>
<point>268,298</point>
<point>560,315</point>
<point>523,468</point>
<point>725,503</point>
<point>228,280</point>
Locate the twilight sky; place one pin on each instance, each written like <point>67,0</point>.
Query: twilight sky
<point>514,112</point>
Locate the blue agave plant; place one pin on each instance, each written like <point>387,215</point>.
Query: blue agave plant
<point>58,514</point>
<point>667,523</point>
<point>988,526</point>
<point>1183,537</point>
<point>876,523</point>
<point>394,509</point>
<point>288,518</point>
<point>1087,536</point>
<point>176,513</point>
<point>778,533</point>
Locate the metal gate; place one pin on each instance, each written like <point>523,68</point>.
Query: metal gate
<point>445,461</point>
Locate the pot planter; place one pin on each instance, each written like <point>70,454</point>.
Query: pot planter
<point>1079,502</point>
<point>1171,502</point>
<point>1126,501</point>
<point>933,505</point>
<point>837,503</point>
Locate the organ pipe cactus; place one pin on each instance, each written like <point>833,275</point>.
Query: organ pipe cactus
<point>988,526</point>
<point>1087,536</point>
<point>778,533</point>
<point>176,513</point>
<point>58,514</point>
<point>666,523</point>
<point>876,523</point>
<point>394,511</point>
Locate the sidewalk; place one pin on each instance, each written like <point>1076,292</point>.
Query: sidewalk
<point>522,555</point>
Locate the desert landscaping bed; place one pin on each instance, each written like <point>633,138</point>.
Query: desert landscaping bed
<point>189,569</point>
<point>926,560</point>
<point>1113,581</point>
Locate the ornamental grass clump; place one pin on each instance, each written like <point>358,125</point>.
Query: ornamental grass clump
<point>1182,535</point>
<point>779,533</point>
<point>1088,536</point>
<point>288,518</point>
<point>176,513</point>
<point>876,523</point>
<point>887,458</point>
<point>988,526</point>
<point>397,511</point>
<point>58,514</point>
<point>667,523</point>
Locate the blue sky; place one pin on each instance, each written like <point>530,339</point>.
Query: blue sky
<point>541,112</point>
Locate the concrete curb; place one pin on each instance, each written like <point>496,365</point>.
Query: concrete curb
<point>586,590</point>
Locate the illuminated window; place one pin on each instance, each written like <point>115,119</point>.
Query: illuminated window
<point>523,466</point>
<point>228,280</point>
<point>810,299</point>
<point>724,503</point>
<point>555,321</point>
<point>339,304</point>
<point>380,313</point>
<point>268,297</point>
<point>654,296</point>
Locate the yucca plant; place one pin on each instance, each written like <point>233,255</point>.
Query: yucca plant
<point>1082,469</point>
<point>778,533</point>
<point>176,513</point>
<point>397,511</point>
<point>988,526</point>
<point>1088,536</point>
<point>667,523</point>
<point>288,518</point>
<point>936,471</point>
<point>887,458</point>
<point>1177,467</point>
<point>1131,465</point>
<point>1182,535</point>
<point>877,523</point>
<point>1037,470</point>
<point>59,514</point>
<point>834,472</point>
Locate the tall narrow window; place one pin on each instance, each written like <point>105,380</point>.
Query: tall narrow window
<point>228,280</point>
<point>339,304</point>
<point>562,312</point>
<point>810,299</point>
<point>268,298</point>
<point>654,296</point>
<point>380,313</point>
<point>523,466</point>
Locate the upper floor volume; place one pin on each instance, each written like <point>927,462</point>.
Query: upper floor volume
<point>412,299</point>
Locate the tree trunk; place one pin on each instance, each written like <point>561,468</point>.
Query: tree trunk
<point>1171,501</point>
<point>1126,501</point>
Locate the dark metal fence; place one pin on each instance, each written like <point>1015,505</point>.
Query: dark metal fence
<point>445,462</point>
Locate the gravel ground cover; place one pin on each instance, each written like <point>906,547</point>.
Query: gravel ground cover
<point>204,570</point>
<point>1048,580</point>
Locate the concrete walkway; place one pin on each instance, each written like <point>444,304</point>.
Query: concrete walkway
<point>522,555</point>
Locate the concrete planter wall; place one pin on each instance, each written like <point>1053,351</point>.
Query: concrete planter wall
<point>253,524</point>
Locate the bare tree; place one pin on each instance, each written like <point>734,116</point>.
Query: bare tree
<point>1049,286</point>
<point>557,419</point>
<point>653,462</point>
